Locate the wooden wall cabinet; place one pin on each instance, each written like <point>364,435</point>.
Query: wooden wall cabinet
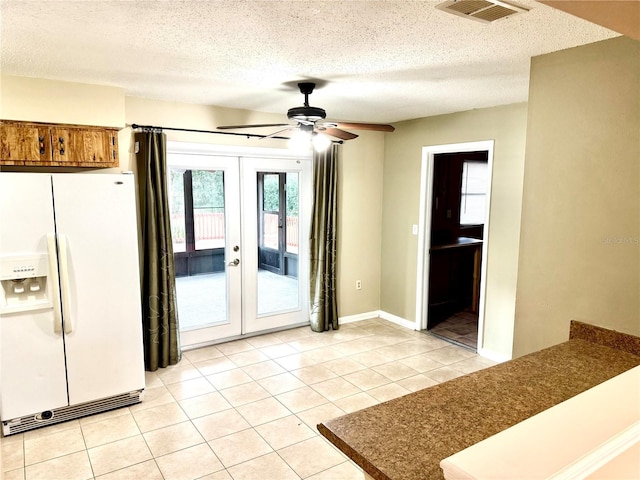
<point>57,145</point>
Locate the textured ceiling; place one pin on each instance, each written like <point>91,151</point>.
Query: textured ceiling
<point>382,61</point>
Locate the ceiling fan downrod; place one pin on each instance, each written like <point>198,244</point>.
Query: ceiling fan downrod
<point>306,114</point>
<point>306,88</point>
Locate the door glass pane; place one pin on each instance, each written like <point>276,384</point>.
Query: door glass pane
<point>270,230</point>
<point>176,206</point>
<point>201,280</point>
<point>208,209</point>
<point>278,262</point>
<point>270,211</point>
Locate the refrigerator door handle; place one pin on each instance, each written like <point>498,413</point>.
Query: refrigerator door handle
<point>53,280</point>
<point>64,283</point>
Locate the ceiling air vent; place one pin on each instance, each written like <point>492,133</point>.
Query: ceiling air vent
<point>481,10</point>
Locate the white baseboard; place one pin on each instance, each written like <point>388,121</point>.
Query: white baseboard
<point>491,355</point>
<point>359,317</point>
<point>378,314</point>
<point>390,317</point>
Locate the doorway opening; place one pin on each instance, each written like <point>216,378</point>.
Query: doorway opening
<point>457,231</point>
<point>455,203</point>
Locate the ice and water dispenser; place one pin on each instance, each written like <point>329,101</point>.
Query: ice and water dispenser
<point>24,280</point>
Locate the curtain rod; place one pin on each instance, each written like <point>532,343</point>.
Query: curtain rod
<point>135,126</point>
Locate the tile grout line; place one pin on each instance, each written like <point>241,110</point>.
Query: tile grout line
<point>86,451</point>
<point>148,448</point>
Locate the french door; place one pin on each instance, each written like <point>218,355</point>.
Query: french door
<point>240,231</point>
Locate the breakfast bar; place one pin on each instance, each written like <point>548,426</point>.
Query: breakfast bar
<point>406,438</point>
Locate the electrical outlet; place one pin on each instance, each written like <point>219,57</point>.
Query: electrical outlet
<point>358,285</point>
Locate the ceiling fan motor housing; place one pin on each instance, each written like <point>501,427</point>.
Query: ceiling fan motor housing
<point>306,114</point>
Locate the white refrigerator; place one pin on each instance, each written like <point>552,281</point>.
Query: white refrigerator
<point>70,314</point>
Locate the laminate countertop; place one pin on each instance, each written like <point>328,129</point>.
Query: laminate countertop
<point>406,438</point>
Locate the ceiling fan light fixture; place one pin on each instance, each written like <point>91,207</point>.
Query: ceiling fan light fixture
<point>300,140</point>
<point>320,142</point>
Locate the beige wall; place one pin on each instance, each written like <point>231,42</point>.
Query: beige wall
<point>579,253</point>
<point>506,125</point>
<point>360,223</point>
<point>40,100</point>
<point>360,184</point>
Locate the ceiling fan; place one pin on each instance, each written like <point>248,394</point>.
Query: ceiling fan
<point>309,121</point>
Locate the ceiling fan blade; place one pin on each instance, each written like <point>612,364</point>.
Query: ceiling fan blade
<point>336,132</point>
<point>378,127</point>
<point>234,127</point>
<point>291,127</point>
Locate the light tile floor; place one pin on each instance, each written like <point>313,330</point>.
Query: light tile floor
<point>244,410</point>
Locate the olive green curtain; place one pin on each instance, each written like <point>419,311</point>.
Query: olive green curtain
<point>322,241</point>
<point>159,312</point>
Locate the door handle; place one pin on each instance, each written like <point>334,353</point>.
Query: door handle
<point>64,283</point>
<point>234,263</point>
<point>53,282</point>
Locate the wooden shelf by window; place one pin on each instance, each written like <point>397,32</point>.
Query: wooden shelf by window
<point>57,145</point>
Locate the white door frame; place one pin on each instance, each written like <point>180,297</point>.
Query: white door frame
<point>244,157</point>
<point>249,167</point>
<point>233,278</point>
<point>424,229</point>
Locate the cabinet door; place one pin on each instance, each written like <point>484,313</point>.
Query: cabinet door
<point>20,143</point>
<point>446,200</point>
<point>84,147</point>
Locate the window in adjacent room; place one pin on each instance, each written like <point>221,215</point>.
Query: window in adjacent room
<point>473,194</point>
